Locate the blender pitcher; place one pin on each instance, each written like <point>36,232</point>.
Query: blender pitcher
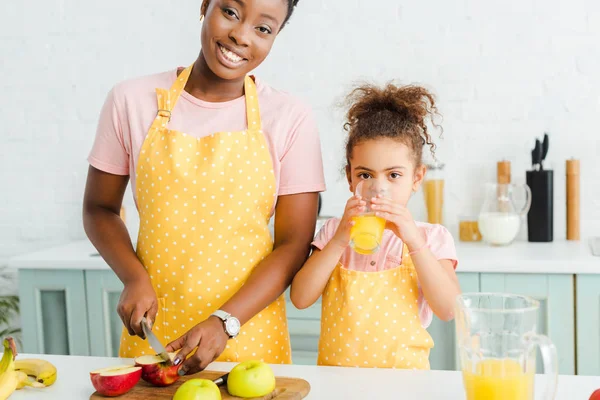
<point>497,336</point>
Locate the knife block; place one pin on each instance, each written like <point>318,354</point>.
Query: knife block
<point>540,221</point>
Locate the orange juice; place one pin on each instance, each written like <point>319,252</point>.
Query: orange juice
<point>366,234</point>
<point>433,190</point>
<point>498,379</point>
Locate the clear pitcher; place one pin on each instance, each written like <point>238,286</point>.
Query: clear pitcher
<point>500,215</point>
<point>497,336</point>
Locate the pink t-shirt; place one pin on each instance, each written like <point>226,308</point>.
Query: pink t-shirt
<point>389,256</point>
<point>288,125</point>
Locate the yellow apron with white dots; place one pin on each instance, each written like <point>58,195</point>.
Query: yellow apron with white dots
<point>204,206</point>
<point>371,319</point>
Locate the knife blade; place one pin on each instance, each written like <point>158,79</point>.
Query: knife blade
<point>222,380</point>
<point>154,342</point>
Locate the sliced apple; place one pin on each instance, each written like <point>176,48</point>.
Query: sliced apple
<point>115,381</point>
<point>157,371</point>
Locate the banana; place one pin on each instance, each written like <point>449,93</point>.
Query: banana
<point>8,383</point>
<point>8,358</point>
<point>25,381</point>
<point>43,371</point>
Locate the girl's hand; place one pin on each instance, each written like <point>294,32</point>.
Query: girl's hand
<point>354,207</point>
<point>400,221</point>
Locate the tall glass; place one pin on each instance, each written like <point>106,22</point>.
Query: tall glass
<point>367,232</point>
<point>433,192</point>
<point>497,336</point>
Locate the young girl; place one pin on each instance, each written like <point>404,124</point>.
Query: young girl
<point>376,308</point>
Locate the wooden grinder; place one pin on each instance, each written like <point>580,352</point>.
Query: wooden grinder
<point>503,178</point>
<point>573,196</point>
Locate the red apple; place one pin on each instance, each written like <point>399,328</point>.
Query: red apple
<point>157,371</point>
<point>115,381</point>
<point>595,395</point>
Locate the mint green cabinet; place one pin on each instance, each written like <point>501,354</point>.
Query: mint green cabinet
<point>103,291</point>
<point>588,324</point>
<point>53,312</point>
<point>557,309</point>
<point>443,356</point>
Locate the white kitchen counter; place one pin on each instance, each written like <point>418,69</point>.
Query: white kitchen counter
<point>559,257</point>
<point>326,382</point>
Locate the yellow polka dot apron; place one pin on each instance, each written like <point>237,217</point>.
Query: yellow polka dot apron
<point>204,207</point>
<point>371,319</point>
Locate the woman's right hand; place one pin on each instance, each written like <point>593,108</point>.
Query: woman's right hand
<point>354,207</point>
<point>137,300</point>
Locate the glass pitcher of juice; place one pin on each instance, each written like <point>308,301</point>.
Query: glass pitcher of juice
<point>367,232</point>
<point>433,191</point>
<point>496,338</point>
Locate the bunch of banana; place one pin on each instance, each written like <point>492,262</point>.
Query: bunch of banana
<point>15,374</point>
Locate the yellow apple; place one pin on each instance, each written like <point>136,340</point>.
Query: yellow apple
<point>198,389</point>
<point>251,379</point>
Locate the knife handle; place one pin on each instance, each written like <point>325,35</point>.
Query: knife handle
<point>222,380</point>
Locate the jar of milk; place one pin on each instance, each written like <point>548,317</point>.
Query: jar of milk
<point>499,218</point>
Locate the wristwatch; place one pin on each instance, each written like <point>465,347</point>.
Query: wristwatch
<point>230,323</point>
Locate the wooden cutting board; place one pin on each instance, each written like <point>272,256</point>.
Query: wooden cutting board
<point>285,389</point>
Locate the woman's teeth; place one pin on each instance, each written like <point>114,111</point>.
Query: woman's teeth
<point>230,55</point>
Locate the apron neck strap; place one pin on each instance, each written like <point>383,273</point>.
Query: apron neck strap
<point>252,109</point>
<point>168,98</point>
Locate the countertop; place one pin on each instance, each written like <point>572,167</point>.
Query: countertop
<point>326,382</point>
<point>558,257</point>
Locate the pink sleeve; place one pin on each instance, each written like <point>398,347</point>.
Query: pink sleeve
<point>326,233</point>
<point>441,244</point>
<point>302,163</point>
<point>109,152</point>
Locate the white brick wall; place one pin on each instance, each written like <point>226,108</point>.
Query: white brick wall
<point>504,73</point>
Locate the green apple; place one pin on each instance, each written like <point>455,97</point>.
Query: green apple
<point>198,389</point>
<point>251,379</point>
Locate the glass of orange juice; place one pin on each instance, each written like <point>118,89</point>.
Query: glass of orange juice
<point>497,339</point>
<point>367,232</point>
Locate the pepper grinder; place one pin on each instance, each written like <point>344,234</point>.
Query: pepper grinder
<point>573,192</point>
<point>503,179</point>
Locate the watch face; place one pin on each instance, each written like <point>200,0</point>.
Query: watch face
<point>233,326</point>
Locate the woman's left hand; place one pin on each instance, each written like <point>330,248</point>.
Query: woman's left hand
<point>400,221</point>
<point>208,338</point>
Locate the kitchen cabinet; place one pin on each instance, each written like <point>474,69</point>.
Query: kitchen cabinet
<point>103,290</point>
<point>588,324</point>
<point>444,355</point>
<point>556,318</point>
<point>53,312</point>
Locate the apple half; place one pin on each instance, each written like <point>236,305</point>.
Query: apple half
<point>115,381</point>
<point>157,371</point>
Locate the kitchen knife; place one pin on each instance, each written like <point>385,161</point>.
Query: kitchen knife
<point>537,153</point>
<point>545,145</point>
<point>222,380</point>
<point>154,342</point>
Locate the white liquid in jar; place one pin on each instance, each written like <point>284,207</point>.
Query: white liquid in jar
<point>499,228</point>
